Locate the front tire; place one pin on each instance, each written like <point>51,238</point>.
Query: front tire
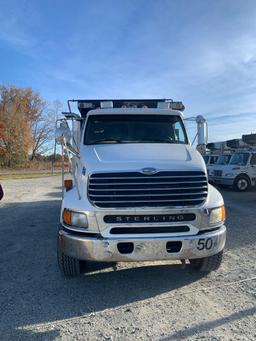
<point>69,266</point>
<point>207,264</point>
<point>242,183</point>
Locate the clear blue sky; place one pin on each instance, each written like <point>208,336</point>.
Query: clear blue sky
<point>200,52</point>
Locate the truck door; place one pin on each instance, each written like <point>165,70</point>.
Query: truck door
<point>253,167</point>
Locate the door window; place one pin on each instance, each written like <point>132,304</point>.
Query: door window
<point>253,160</point>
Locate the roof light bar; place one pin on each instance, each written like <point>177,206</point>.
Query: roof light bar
<point>106,104</point>
<point>89,104</point>
<point>85,105</point>
<point>163,105</point>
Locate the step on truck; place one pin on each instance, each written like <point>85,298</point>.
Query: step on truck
<point>138,190</point>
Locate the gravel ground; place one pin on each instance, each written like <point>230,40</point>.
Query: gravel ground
<point>135,301</point>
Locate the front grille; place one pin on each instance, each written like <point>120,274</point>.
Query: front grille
<point>217,172</point>
<point>134,189</point>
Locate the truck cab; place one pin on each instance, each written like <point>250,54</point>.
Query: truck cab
<point>210,160</point>
<point>223,160</point>
<point>138,190</point>
<point>240,172</point>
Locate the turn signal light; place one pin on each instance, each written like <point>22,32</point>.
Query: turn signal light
<point>223,213</point>
<point>217,215</point>
<point>68,184</point>
<point>67,216</point>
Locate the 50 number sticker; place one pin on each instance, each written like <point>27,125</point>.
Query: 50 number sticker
<point>204,244</point>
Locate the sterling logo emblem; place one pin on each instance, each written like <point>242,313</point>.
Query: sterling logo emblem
<point>149,171</point>
<point>159,218</point>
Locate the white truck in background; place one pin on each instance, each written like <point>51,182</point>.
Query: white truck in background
<point>210,160</point>
<point>139,191</point>
<point>217,153</point>
<point>240,171</point>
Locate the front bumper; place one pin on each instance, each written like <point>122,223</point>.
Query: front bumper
<point>144,249</point>
<point>221,181</point>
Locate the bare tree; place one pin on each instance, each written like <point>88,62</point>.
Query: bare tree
<point>56,109</point>
<point>43,128</point>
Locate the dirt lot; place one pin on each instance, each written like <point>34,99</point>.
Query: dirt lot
<point>142,301</point>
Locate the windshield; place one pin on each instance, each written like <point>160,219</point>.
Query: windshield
<point>223,159</point>
<point>206,158</point>
<point>134,129</point>
<point>239,159</point>
<point>213,159</point>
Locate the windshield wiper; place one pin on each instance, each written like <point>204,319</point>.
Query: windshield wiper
<point>131,141</point>
<point>159,140</point>
<point>106,141</point>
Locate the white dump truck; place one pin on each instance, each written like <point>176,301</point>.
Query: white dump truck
<point>139,191</point>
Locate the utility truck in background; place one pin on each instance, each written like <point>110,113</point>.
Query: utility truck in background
<point>210,160</point>
<point>138,190</point>
<point>240,171</point>
<point>217,154</point>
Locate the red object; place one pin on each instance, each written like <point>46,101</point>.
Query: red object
<point>1,192</point>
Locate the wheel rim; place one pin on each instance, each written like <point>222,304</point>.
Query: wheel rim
<point>242,184</point>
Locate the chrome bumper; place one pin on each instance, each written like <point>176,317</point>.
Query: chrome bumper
<point>145,248</point>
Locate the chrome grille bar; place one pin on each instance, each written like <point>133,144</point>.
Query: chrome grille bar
<point>147,189</point>
<point>150,195</point>
<point>134,189</point>
<point>148,177</point>
<point>144,183</point>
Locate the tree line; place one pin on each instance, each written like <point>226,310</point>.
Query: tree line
<point>27,124</point>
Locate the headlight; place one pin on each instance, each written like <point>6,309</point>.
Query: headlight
<point>229,174</point>
<point>77,219</point>
<point>217,215</point>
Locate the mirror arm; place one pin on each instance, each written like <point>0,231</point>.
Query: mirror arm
<point>72,150</point>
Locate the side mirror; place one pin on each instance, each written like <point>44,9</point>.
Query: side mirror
<point>63,133</point>
<point>202,130</point>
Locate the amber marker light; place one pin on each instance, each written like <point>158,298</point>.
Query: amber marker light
<point>68,184</point>
<point>67,216</point>
<point>223,213</point>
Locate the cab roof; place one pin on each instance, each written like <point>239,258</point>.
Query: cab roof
<point>127,105</point>
<point>135,111</point>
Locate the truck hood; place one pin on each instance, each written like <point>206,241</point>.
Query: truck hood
<point>134,157</point>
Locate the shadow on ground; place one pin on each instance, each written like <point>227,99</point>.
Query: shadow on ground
<point>55,194</point>
<point>208,326</point>
<point>240,212</point>
<point>33,291</point>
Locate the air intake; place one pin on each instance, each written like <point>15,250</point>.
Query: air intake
<point>134,189</point>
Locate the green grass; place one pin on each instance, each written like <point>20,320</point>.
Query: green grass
<point>26,175</point>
